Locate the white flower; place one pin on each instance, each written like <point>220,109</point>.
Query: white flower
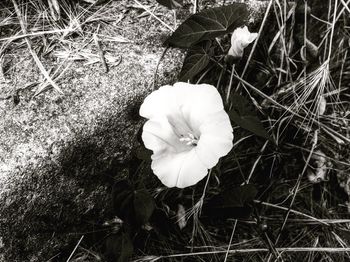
<point>188,131</point>
<point>240,39</point>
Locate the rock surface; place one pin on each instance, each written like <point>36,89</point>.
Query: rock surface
<point>59,153</point>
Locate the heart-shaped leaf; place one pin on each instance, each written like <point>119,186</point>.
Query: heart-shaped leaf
<point>244,115</point>
<point>196,60</point>
<point>239,196</point>
<point>232,203</point>
<point>209,24</point>
<point>143,153</point>
<point>132,206</point>
<point>122,197</point>
<point>143,205</point>
<point>119,247</point>
<point>171,4</point>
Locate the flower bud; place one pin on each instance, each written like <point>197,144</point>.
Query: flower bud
<point>240,39</point>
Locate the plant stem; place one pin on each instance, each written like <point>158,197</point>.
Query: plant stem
<point>230,86</point>
<point>229,245</point>
<point>195,6</point>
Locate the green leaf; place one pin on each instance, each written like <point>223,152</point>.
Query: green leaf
<point>244,115</point>
<point>122,196</point>
<point>239,196</point>
<point>196,60</point>
<point>171,4</point>
<point>143,205</point>
<point>143,153</point>
<point>209,24</point>
<point>232,203</point>
<point>119,247</point>
<point>132,206</point>
<point>235,197</point>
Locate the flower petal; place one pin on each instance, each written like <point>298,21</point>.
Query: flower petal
<point>183,98</point>
<point>158,136</point>
<point>210,148</point>
<point>216,123</point>
<point>179,170</point>
<point>240,39</point>
<point>158,103</point>
<point>216,139</point>
<point>252,37</point>
<point>199,102</point>
<point>201,98</point>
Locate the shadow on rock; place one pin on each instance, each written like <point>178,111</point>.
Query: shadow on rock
<point>50,208</point>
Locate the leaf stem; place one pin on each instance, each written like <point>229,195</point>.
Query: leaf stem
<point>195,6</point>
<point>230,86</point>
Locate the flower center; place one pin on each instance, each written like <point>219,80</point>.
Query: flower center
<point>189,139</point>
<point>186,136</point>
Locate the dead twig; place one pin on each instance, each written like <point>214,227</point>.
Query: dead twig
<point>75,248</point>
<point>100,52</point>
<point>34,55</point>
<point>156,17</point>
<point>157,67</point>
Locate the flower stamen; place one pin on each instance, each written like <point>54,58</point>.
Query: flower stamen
<point>189,139</point>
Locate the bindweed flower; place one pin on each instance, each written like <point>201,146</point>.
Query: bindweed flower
<point>187,130</point>
<point>240,39</point>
